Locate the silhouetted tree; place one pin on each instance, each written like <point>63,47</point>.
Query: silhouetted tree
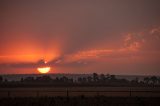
<point>5,80</point>
<point>95,77</point>
<point>84,80</point>
<point>102,78</point>
<point>159,80</point>
<point>71,80</point>
<point>44,78</point>
<point>112,77</point>
<point>89,79</point>
<point>107,76</point>
<point>64,79</point>
<point>57,79</point>
<point>22,80</point>
<point>1,79</point>
<point>29,79</point>
<point>80,80</point>
<point>146,80</point>
<point>154,79</point>
<point>135,81</point>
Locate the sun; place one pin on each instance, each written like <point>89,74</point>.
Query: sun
<point>44,70</point>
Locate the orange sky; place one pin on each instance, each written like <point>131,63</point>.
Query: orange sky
<point>119,37</point>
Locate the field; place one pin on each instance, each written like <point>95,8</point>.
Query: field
<point>81,101</point>
<point>80,91</point>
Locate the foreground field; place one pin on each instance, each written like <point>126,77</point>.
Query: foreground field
<point>81,101</point>
<point>81,91</point>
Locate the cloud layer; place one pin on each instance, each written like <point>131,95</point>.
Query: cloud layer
<point>80,36</point>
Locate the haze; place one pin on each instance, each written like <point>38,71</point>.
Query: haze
<point>76,36</point>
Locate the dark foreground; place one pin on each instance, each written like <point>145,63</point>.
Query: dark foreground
<point>81,101</point>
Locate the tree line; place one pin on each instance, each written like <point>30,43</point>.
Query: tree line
<point>93,80</point>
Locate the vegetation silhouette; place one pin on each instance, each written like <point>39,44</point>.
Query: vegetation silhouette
<point>93,80</point>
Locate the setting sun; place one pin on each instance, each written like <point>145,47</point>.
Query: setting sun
<point>43,70</point>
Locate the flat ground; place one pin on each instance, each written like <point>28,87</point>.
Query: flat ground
<point>79,91</point>
<point>81,101</point>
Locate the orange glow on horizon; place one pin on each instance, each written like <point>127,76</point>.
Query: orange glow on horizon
<point>27,58</point>
<point>28,54</point>
<point>25,48</point>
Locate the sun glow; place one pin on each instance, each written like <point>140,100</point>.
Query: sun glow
<point>43,70</point>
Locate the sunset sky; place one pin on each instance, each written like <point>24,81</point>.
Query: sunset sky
<point>80,36</point>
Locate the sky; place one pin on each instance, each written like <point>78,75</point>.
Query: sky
<point>80,36</point>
